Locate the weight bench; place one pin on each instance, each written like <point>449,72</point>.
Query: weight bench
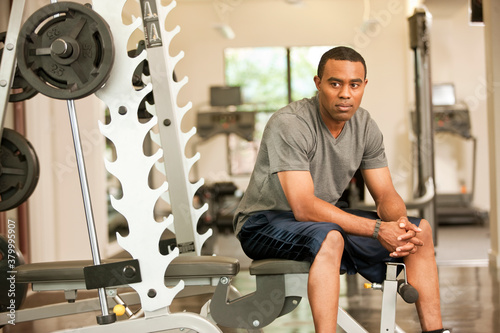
<point>199,273</point>
<point>280,285</point>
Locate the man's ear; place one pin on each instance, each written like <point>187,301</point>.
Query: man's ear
<point>317,81</point>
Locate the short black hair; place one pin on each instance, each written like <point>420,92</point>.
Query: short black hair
<point>340,53</point>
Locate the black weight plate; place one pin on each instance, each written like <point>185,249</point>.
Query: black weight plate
<point>65,50</point>
<point>19,169</point>
<point>23,90</point>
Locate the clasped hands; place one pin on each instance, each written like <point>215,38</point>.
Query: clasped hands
<point>400,237</point>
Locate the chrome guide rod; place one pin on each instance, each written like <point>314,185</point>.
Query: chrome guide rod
<point>94,246</point>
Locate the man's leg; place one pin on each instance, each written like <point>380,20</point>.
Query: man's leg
<point>422,274</point>
<point>324,283</point>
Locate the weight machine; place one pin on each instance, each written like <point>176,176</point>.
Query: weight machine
<point>420,23</point>
<point>69,51</point>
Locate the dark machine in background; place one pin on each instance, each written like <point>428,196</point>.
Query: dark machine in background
<point>419,24</point>
<point>223,197</point>
<point>453,118</point>
<point>241,123</point>
<point>225,96</point>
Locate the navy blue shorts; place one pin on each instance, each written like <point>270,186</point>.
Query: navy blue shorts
<point>277,234</point>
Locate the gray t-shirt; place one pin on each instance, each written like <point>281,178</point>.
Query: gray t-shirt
<point>296,138</point>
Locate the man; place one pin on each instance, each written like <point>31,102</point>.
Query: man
<point>309,152</point>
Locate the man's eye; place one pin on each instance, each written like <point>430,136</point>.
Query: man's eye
<point>354,85</point>
<point>335,84</point>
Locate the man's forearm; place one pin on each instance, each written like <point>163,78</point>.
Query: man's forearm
<point>391,209</point>
<point>318,210</point>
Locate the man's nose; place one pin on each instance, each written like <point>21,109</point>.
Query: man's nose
<point>345,92</point>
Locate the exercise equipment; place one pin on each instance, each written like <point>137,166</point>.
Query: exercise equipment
<point>199,273</point>
<point>105,317</point>
<point>132,167</point>
<point>119,309</point>
<point>8,61</point>
<point>452,118</point>
<point>212,123</point>
<point>241,123</point>
<point>141,72</point>
<point>19,169</point>
<point>21,89</point>
<point>222,199</point>
<point>420,23</point>
<point>65,51</point>
<point>280,286</point>
<point>176,165</point>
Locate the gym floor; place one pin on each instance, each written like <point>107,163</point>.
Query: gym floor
<point>470,295</point>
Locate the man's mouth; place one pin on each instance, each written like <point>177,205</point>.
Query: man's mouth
<point>344,107</point>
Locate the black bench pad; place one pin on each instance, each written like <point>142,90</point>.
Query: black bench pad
<point>180,267</point>
<point>278,266</point>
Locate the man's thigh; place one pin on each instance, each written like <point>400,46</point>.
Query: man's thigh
<point>278,235</point>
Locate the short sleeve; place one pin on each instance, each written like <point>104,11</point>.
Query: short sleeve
<point>374,154</point>
<point>288,141</point>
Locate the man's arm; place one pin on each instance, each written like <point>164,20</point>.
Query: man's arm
<point>390,205</point>
<point>299,191</point>
<point>298,187</point>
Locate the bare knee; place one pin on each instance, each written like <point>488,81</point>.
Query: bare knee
<point>332,246</point>
<point>426,236</point>
<point>426,233</point>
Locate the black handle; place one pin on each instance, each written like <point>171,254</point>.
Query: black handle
<point>407,292</point>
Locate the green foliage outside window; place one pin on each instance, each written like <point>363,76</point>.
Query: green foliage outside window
<point>262,74</point>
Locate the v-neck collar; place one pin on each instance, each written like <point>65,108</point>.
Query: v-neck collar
<point>325,128</point>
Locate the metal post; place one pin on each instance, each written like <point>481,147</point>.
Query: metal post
<point>420,23</point>
<point>389,299</point>
<point>106,317</point>
<point>8,64</point>
<point>169,120</point>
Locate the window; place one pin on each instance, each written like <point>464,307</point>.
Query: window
<point>303,67</point>
<point>261,72</point>
<point>270,78</point>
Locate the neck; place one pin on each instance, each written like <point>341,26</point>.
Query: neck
<point>335,127</point>
<point>336,130</point>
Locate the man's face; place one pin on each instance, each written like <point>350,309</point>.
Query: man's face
<point>340,90</point>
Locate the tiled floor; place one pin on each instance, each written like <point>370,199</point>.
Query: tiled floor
<point>470,294</point>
